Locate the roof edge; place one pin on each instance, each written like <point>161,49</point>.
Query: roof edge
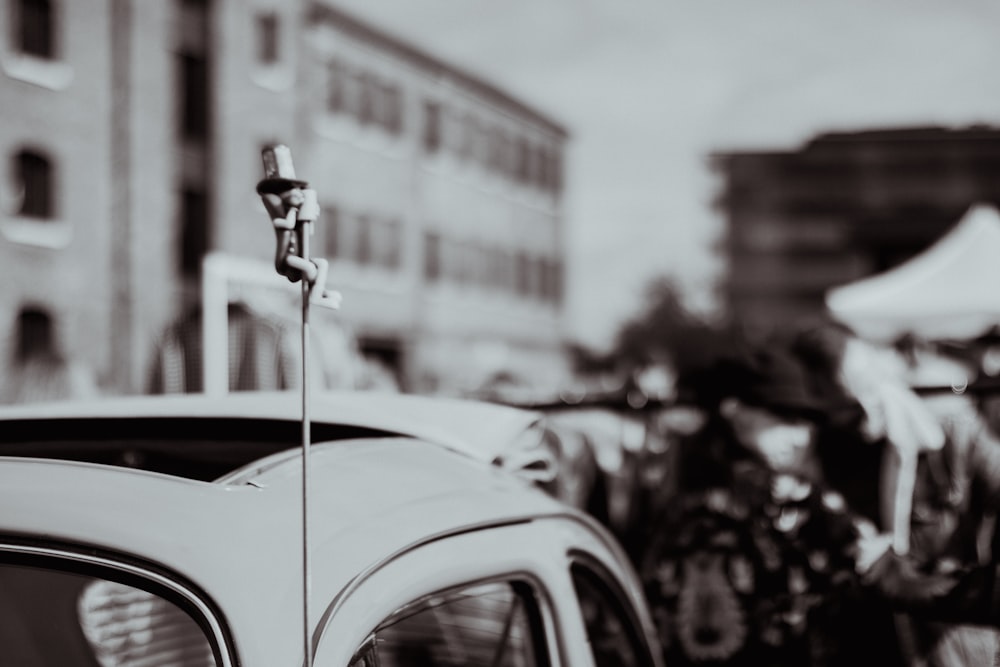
<point>319,11</point>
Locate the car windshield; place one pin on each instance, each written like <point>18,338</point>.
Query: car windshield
<point>51,617</point>
<point>195,448</point>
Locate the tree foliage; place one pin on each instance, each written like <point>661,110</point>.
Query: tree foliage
<point>664,331</point>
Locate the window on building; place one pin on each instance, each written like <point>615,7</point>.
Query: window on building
<point>538,277</point>
<point>391,252</point>
<point>432,255</point>
<point>193,27</point>
<point>36,179</point>
<point>459,257</point>
<point>523,165</point>
<point>540,167</point>
<point>432,126</point>
<point>267,38</point>
<point>363,240</point>
<point>34,336</point>
<point>497,147</point>
<point>544,278</point>
<point>34,28</point>
<point>554,281</point>
<point>194,230</point>
<point>368,98</point>
<point>469,128</point>
<point>507,271</point>
<point>392,112</point>
<point>523,273</point>
<point>495,267</point>
<point>451,127</point>
<point>481,144</point>
<point>336,93</point>
<point>194,96</point>
<point>555,172</point>
<point>481,264</point>
<point>353,85</point>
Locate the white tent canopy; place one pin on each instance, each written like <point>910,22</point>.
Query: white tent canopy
<point>949,291</point>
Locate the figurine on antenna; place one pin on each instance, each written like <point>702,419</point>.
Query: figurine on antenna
<point>293,207</point>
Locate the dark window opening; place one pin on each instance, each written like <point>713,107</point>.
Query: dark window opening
<point>34,338</point>
<point>35,28</point>
<point>267,38</point>
<point>386,354</point>
<point>194,231</point>
<point>194,97</point>
<point>34,172</point>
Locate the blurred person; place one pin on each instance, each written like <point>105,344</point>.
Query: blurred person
<point>754,561</point>
<point>938,518</point>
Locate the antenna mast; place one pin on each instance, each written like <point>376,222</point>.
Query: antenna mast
<point>293,208</point>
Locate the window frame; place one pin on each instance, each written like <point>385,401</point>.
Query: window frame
<point>525,586</point>
<point>50,53</point>
<point>46,71</point>
<point>148,577</point>
<point>512,547</point>
<point>622,605</point>
<point>267,38</point>
<point>44,179</point>
<point>44,231</point>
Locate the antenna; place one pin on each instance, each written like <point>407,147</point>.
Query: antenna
<point>293,208</point>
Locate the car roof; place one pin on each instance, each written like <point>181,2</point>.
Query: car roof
<point>370,500</point>
<point>475,428</point>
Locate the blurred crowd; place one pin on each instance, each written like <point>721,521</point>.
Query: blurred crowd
<point>799,501</point>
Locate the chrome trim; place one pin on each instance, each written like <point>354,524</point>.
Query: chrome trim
<point>166,582</point>
<point>364,575</point>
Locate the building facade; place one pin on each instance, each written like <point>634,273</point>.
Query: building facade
<point>441,195</point>
<point>844,206</point>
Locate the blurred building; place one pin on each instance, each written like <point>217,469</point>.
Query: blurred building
<point>844,206</point>
<point>132,135</point>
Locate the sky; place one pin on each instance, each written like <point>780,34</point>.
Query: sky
<point>648,89</point>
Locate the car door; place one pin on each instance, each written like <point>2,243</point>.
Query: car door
<point>500,596</point>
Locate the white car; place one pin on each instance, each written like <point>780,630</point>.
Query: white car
<point>168,531</point>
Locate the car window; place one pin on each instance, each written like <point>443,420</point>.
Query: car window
<point>495,625</point>
<point>611,628</point>
<point>52,617</point>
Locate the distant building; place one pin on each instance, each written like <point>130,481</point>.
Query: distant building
<point>845,206</point>
<point>132,134</point>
